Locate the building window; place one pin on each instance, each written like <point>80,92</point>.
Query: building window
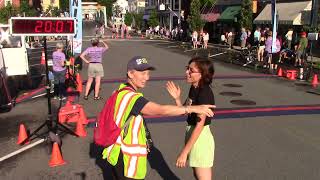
<point>175,4</point>
<point>7,1</point>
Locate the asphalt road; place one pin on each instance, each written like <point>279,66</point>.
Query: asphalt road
<point>275,136</point>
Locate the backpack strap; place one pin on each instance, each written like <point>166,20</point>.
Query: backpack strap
<point>128,120</point>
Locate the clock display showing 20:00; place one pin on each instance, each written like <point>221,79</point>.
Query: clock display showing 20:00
<point>53,26</point>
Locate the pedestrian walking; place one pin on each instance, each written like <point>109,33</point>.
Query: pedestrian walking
<point>195,39</point>
<point>301,49</point>
<point>261,48</point>
<point>243,38</point>
<point>205,39</point>
<point>95,68</point>
<point>199,142</point>
<point>128,156</point>
<point>59,72</point>
<point>289,38</point>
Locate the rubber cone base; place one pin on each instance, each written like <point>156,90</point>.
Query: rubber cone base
<point>56,157</point>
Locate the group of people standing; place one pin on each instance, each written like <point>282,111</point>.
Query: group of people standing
<point>201,39</point>
<point>274,55</point>
<point>120,30</point>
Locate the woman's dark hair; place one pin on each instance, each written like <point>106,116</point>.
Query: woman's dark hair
<point>206,69</point>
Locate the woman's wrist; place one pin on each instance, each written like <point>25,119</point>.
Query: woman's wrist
<point>186,110</point>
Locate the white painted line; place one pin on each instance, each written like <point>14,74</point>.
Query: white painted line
<point>124,40</point>
<point>21,150</point>
<point>217,54</point>
<point>40,95</point>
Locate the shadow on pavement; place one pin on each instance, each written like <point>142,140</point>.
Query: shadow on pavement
<point>158,163</point>
<point>96,152</point>
<point>155,159</point>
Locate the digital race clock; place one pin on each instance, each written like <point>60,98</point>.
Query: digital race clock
<point>42,26</point>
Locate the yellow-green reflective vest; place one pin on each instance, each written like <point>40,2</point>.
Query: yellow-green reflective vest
<point>133,146</point>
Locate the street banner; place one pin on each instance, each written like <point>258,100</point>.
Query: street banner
<point>75,11</point>
<point>274,25</point>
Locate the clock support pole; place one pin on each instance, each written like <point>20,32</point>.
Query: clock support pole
<point>52,124</point>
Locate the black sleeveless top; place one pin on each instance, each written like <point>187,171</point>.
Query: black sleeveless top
<point>199,96</point>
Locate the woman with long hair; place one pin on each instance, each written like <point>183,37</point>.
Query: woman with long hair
<point>199,142</point>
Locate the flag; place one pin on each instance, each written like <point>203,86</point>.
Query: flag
<point>76,12</point>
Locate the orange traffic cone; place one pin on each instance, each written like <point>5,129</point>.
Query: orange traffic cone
<point>80,131</point>
<point>43,58</point>
<point>22,135</point>
<point>280,74</point>
<point>56,157</point>
<point>315,81</point>
<point>83,116</point>
<point>293,76</point>
<point>79,83</point>
<point>71,98</point>
<point>68,103</point>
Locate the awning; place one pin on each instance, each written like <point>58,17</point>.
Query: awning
<point>293,13</point>
<point>230,13</point>
<point>210,17</point>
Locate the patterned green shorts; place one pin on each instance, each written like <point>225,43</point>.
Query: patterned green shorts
<point>202,152</point>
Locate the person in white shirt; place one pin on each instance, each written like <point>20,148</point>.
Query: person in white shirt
<point>195,39</point>
<point>205,39</point>
<point>229,38</point>
<point>289,38</point>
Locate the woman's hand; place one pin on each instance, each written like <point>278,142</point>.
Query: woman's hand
<point>182,160</point>
<point>173,90</point>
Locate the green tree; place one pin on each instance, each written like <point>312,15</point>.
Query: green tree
<point>208,3</point>
<point>138,19</point>
<point>153,19</point>
<point>64,5</point>
<point>128,18</point>
<point>194,19</point>
<point>108,4</point>
<point>7,12</point>
<point>246,14</point>
<point>26,10</point>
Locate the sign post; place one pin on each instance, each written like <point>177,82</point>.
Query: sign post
<point>35,26</point>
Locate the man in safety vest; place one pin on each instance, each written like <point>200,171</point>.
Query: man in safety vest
<point>128,156</point>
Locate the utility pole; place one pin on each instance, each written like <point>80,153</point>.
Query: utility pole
<point>179,15</point>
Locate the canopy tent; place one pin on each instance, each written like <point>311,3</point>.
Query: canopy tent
<point>293,13</point>
<point>210,17</point>
<point>230,13</point>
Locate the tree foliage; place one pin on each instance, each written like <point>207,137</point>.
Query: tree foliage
<point>26,10</point>
<point>128,18</point>
<point>138,19</point>
<point>194,19</point>
<point>117,10</point>
<point>246,14</point>
<point>64,5</point>
<point>153,19</point>
<point>108,4</point>
<point>7,12</point>
<point>208,3</point>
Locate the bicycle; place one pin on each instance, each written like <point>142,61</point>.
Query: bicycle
<point>248,56</point>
